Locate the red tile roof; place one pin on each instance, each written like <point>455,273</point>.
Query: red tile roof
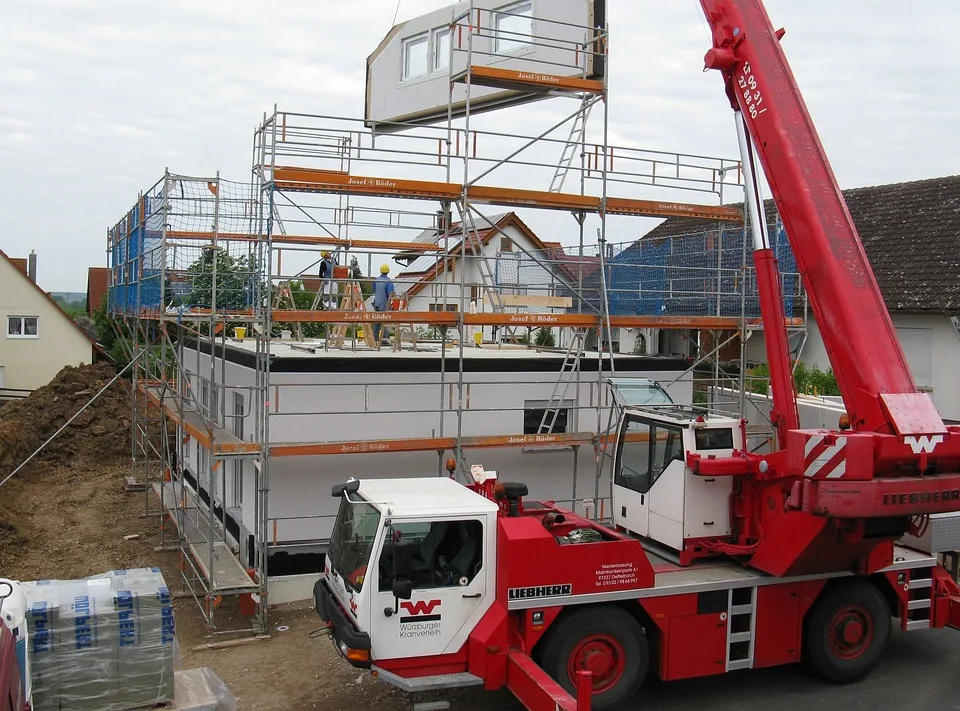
<point>21,265</point>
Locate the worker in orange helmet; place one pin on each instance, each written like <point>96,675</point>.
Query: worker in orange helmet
<point>328,286</point>
<point>382,291</point>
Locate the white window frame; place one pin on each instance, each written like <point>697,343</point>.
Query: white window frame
<point>441,59</point>
<point>23,320</point>
<point>423,37</point>
<point>512,41</point>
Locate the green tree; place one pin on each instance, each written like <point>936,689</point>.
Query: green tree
<point>112,335</point>
<point>302,301</point>
<point>236,280</point>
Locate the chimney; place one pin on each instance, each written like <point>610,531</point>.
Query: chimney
<point>32,266</point>
<point>443,220</point>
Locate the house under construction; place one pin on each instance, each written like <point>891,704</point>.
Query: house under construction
<point>497,348</point>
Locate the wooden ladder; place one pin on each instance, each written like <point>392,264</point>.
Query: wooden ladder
<point>353,300</point>
<point>284,294</point>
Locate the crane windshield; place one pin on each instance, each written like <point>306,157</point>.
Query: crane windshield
<point>351,544</point>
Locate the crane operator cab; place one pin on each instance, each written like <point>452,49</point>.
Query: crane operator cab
<point>656,496</point>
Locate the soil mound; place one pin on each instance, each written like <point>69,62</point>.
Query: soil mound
<point>100,434</point>
<point>93,444</point>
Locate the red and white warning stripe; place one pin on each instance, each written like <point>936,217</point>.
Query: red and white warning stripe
<point>825,461</point>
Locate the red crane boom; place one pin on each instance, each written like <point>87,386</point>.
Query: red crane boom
<point>857,331</point>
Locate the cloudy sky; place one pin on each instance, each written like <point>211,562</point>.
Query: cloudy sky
<point>97,97</point>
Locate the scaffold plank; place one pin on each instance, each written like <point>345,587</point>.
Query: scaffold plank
<point>321,241</point>
<point>315,180</point>
<point>220,442</point>
<point>441,444</point>
<point>223,571</point>
<point>292,449</point>
<point>452,318</point>
<point>526,81</point>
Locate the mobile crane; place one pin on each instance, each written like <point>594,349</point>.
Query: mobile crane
<point>719,558</point>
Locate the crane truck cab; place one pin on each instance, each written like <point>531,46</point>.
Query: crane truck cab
<point>657,495</point>
<point>410,568</point>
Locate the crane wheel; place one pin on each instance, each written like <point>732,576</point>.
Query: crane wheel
<point>606,641</point>
<point>847,631</point>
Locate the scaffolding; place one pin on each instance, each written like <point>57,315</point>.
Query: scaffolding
<point>203,268</point>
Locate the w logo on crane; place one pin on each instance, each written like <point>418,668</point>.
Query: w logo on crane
<point>420,611</point>
<point>924,444</point>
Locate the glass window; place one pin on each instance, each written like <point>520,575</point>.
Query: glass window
<point>513,24</point>
<point>714,439</point>
<point>667,447</point>
<point>415,57</point>
<point>23,326</point>
<point>351,543</point>
<point>645,450</point>
<point>445,553</point>
<point>633,456</point>
<point>238,463</point>
<point>533,413</point>
<point>441,49</point>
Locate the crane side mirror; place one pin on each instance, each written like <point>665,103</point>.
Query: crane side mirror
<point>402,589</point>
<point>403,560</point>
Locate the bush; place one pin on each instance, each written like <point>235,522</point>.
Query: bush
<point>807,381</point>
<point>545,338</point>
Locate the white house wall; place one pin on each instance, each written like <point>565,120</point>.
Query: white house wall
<point>357,406</point>
<point>941,375</point>
<point>536,278</point>
<point>29,363</point>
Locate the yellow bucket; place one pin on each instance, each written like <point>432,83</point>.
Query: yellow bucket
<point>478,338</point>
<point>239,333</point>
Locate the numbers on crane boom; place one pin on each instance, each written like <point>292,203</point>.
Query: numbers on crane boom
<point>750,90</point>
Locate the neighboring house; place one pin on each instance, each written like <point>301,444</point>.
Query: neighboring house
<point>911,234</point>
<point>525,271</point>
<point>39,339</point>
<point>98,283</point>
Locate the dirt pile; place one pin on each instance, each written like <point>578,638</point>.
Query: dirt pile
<point>96,442</point>
<point>100,434</point>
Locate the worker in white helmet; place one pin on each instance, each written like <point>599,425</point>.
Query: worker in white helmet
<point>382,291</point>
<point>328,286</point>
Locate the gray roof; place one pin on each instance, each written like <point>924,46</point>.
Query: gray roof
<point>911,234</point>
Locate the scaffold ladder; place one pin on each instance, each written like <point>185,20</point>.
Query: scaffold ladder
<point>568,370</point>
<point>574,142</point>
<point>472,240</point>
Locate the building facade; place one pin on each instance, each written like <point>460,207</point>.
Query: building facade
<point>39,339</point>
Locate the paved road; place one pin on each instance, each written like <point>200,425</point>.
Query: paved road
<point>920,672</point>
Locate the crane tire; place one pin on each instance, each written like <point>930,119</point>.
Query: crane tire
<point>847,631</point>
<point>606,640</point>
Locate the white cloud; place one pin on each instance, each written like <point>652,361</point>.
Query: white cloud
<point>97,97</point>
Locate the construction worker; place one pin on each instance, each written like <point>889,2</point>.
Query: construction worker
<point>382,291</point>
<point>328,287</point>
